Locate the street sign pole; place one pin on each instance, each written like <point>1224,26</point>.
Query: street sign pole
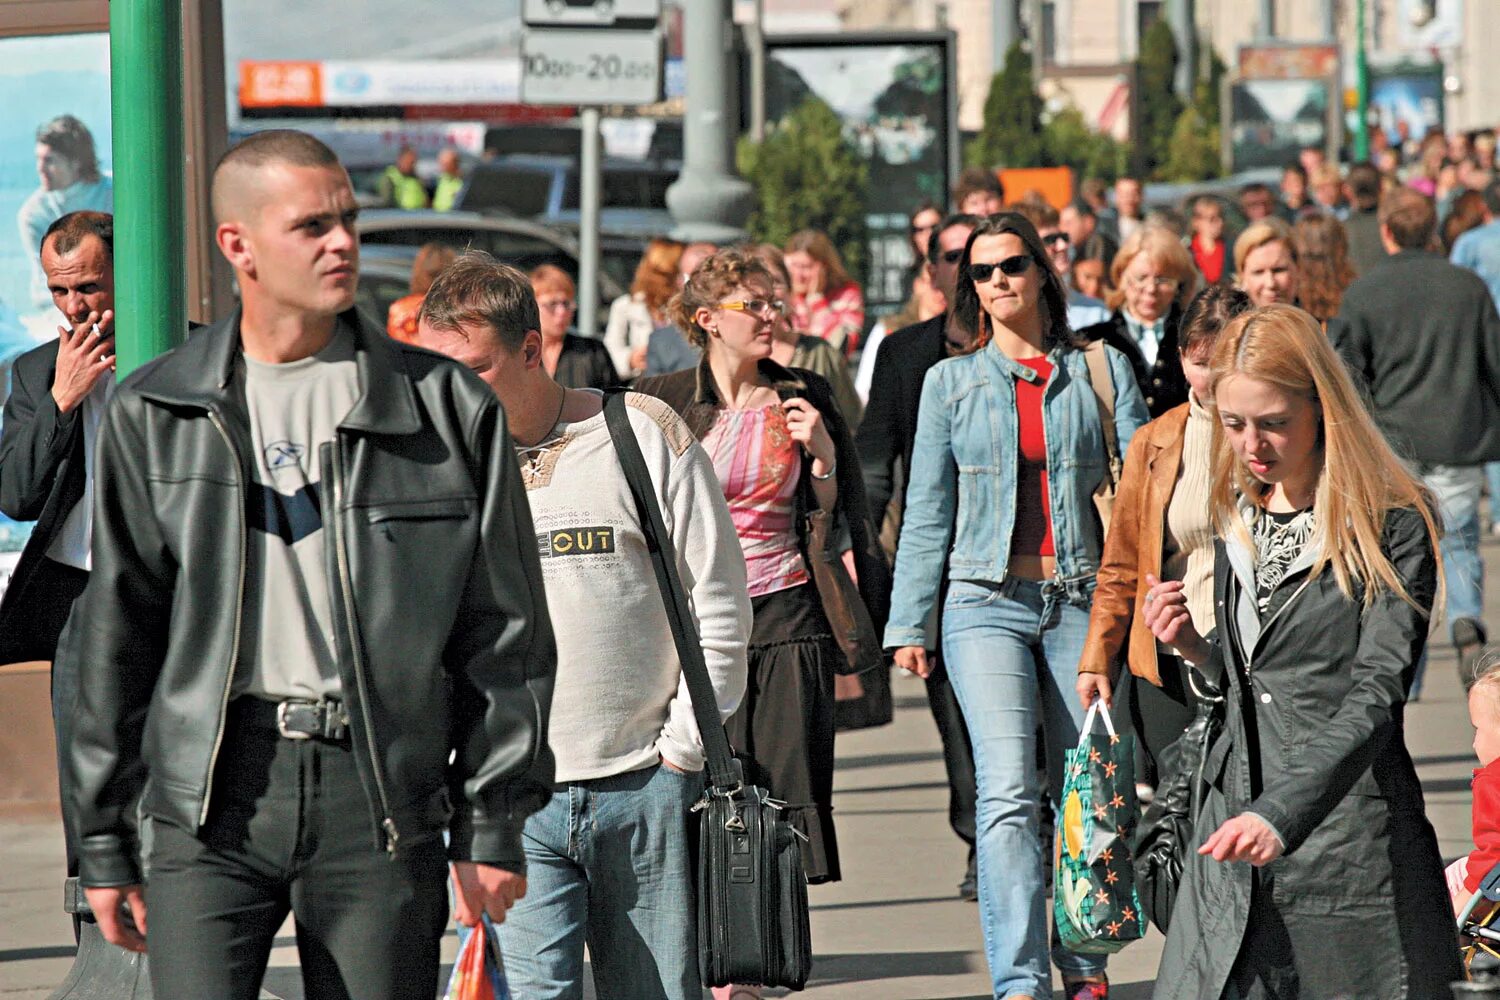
<point>1361,87</point>
<point>588,223</point>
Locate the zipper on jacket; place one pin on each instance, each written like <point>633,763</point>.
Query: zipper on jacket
<point>1267,623</point>
<point>387,824</point>
<point>239,610</point>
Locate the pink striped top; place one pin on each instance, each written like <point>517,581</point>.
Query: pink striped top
<point>758,465</point>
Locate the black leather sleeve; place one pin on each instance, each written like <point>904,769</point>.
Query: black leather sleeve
<point>502,659</point>
<point>116,643</point>
<point>34,439</point>
<point>879,434</point>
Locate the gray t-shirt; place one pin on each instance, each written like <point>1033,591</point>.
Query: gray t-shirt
<point>287,648</point>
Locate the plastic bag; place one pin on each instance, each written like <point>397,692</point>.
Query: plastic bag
<point>477,972</point>
<point>1094,897</point>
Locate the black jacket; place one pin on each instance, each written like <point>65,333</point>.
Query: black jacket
<point>443,640</point>
<point>1314,743</point>
<point>1163,383</point>
<point>1424,337</point>
<point>41,480</point>
<point>889,427</point>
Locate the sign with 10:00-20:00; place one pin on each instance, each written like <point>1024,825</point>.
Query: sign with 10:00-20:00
<point>580,66</point>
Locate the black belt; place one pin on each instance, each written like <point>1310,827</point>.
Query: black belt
<point>297,718</point>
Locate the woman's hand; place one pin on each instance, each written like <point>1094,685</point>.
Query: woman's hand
<point>1167,617</point>
<point>1091,686</point>
<point>1247,837</point>
<point>808,429</point>
<point>913,659</point>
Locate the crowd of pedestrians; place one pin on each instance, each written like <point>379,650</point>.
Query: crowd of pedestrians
<point>364,630</point>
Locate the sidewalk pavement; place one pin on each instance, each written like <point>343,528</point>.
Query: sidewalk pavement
<point>894,928</point>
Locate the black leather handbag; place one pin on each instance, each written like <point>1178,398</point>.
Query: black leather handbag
<point>752,888</point>
<point>1166,830</point>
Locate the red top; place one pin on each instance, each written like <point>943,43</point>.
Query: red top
<point>1210,262</point>
<point>1033,533</point>
<point>1486,825</point>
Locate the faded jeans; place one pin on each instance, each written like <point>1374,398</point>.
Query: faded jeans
<point>1457,489</point>
<point>1012,653</point>
<point>607,864</point>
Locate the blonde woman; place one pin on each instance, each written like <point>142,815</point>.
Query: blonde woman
<point>1325,580</point>
<point>826,302</point>
<point>1154,278</point>
<point>1265,263</point>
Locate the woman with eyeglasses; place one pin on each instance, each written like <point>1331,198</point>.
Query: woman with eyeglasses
<point>574,362</point>
<point>1153,277</point>
<point>1010,447</point>
<point>788,466</point>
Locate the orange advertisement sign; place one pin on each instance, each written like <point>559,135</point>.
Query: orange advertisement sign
<point>1055,184</point>
<point>281,84</point>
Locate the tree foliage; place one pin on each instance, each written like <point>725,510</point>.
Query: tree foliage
<point>1068,141</point>
<point>1012,132</point>
<point>1158,106</point>
<point>1194,154</point>
<point>808,175</point>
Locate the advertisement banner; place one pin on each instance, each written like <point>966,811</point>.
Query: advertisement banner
<point>1271,120</point>
<point>346,83</point>
<point>54,159</point>
<point>895,97</point>
<point>1408,99</point>
<point>1288,62</point>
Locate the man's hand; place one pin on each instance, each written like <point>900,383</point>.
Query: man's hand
<point>128,930</point>
<point>1245,838</point>
<point>484,889</point>
<point>913,659</point>
<point>84,353</point>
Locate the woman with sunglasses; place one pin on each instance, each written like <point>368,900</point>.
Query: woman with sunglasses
<point>784,457</point>
<point>1153,277</point>
<point>1010,447</point>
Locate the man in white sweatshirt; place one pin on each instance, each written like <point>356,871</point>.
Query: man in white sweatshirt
<point>607,859</point>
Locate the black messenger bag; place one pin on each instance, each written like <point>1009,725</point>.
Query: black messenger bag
<point>752,888</point>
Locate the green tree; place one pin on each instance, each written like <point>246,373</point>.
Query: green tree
<point>1194,153</point>
<point>1012,132</point>
<point>1068,141</point>
<point>808,175</point>
<point>1158,105</point>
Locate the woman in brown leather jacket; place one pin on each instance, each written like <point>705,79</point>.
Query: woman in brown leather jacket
<point>1160,528</point>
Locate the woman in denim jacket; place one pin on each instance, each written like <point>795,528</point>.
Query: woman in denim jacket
<point>1009,450</point>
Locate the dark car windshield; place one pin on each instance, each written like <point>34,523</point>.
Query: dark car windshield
<point>523,191</point>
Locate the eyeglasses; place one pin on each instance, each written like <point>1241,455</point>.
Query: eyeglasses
<point>1011,267</point>
<point>1160,284</point>
<point>1057,238</point>
<point>953,256</point>
<point>757,307</point>
<point>555,305</point>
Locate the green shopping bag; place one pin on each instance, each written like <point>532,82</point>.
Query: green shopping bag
<point>1094,901</point>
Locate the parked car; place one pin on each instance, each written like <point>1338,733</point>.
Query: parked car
<point>632,196</point>
<point>389,239</point>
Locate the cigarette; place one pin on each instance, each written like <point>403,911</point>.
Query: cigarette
<point>98,332</point>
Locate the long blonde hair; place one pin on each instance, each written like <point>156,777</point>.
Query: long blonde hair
<point>1362,480</point>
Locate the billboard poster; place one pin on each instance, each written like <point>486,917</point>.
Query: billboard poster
<point>54,87</point>
<point>1407,99</point>
<point>1270,120</point>
<point>895,96</point>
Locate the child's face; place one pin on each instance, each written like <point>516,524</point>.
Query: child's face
<point>1484,715</point>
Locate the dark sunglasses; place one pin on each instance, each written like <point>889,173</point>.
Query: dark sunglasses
<point>953,256</point>
<point>1062,238</point>
<point>1011,267</point>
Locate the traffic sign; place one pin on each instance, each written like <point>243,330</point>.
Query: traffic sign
<point>582,66</point>
<point>588,13</point>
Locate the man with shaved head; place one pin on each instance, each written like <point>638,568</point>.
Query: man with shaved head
<point>314,639</point>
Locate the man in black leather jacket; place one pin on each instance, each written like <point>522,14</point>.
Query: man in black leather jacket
<point>303,603</point>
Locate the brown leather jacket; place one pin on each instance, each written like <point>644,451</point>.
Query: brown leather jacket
<point>692,394</point>
<point>1137,534</point>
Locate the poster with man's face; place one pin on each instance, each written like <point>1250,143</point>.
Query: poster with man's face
<point>54,159</point>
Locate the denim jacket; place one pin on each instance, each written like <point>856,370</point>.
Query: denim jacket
<point>961,501</point>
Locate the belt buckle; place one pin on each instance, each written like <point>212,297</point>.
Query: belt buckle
<point>281,720</point>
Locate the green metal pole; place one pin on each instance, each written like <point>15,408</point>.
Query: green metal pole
<point>150,252</point>
<point>1361,87</point>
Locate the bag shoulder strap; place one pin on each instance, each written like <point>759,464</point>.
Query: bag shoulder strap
<point>722,773</point>
<point>1104,393</point>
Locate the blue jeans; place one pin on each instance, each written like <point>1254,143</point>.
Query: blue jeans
<point>1457,489</point>
<point>1492,480</point>
<point>1012,653</point>
<point>607,864</point>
